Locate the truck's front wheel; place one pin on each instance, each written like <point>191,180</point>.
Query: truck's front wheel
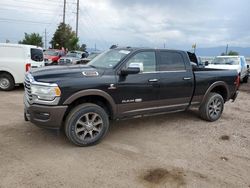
<point>86,124</point>
<point>212,107</point>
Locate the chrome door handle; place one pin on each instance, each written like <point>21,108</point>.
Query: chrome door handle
<point>186,78</point>
<point>153,80</point>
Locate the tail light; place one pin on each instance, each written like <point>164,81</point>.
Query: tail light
<point>237,81</point>
<point>27,67</point>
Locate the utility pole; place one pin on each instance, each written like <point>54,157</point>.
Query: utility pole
<point>64,11</point>
<point>77,16</point>
<point>45,39</point>
<point>227,49</point>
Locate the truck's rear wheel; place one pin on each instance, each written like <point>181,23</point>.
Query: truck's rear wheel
<point>86,124</point>
<point>212,108</point>
<point>7,82</point>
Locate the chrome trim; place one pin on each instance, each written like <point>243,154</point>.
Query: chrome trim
<point>44,84</point>
<point>85,73</point>
<point>39,101</point>
<point>163,72</point>
<point>153,80</point>
<point>157,108</point>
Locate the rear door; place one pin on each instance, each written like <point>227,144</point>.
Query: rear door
<point>176,79</point>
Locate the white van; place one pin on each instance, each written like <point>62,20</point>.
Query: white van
<point>15,61</point>
<point>232,63</point>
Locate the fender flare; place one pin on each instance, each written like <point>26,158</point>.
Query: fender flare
<point>92,92</point>
<point>216,84</point>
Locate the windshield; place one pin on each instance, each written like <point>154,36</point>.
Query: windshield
<point>92,56</point>
<point>109,59</point>
<point>225,61</point>
<point>74,54</point>
<point>51,53</point>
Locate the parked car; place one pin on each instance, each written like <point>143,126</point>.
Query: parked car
<point>123,83</point>
<point>73,58</point>
<point>15,60</point>
<point>90,57</point>
<point>232,63</point>
<point>51,56</point>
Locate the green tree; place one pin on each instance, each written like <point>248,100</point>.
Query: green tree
<point>65,37</point>
<point>230,53</point>
<point>32,39</point>
<point>233,53</point>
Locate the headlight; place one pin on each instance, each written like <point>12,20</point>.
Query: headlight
<point>47,93</point>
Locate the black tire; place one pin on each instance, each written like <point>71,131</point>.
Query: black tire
<point>212,107</point>
<point>83,131</point>
<point>7,82</point>
<point>245,79</point>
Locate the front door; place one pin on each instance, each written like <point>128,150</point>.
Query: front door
<point>138,93</point>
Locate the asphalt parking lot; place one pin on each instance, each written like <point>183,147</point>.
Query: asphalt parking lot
<point>175,150</point>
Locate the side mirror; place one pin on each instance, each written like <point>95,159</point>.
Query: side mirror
<point>137,65</point>
<point>84,55</point>
<point>206,63</point>
<point>194,65</point>
<point>133,68</point>
<point>130,70</point>
<point>247,66</point>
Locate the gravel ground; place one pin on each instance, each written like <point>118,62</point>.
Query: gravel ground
<point>176,150</point>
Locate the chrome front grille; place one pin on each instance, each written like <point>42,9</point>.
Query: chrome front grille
<point>68,61</point>
<point>27,87</point>
<point>61,61</point>
<point>64,61</point>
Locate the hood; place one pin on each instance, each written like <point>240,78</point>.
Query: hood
<point>224,66</point>
<point>70,58</point>
<point>53,74</point>
<point>49,56</point>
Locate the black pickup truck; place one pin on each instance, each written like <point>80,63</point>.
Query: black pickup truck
<point>123,83</point>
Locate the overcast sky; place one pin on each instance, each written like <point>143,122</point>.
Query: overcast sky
<point>148,23</point>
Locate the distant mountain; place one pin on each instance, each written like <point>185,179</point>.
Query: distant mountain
<point>215,51</point>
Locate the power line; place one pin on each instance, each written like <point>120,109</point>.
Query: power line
<point>18,6</point>
<point>37,2</point>
<point>25,21</point>
<point>27,11</point>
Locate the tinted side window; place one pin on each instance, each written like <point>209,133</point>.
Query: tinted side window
<point>36,54</point>
<point>147,59</point>
<point>170,61</point>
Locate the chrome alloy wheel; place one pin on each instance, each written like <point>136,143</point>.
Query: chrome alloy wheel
<point>215,108</point>
<point>88,126</point>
